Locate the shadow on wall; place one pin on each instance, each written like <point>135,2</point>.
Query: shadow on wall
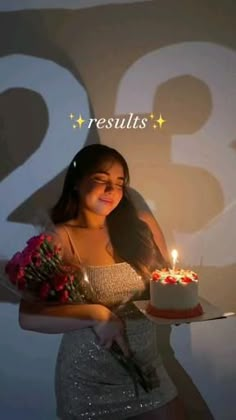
<point>176,189</point>
<point>185,99</point>
<point>97,46</point>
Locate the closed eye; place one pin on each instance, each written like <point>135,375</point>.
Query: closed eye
<point>100,181</point>
<point>104,181</point>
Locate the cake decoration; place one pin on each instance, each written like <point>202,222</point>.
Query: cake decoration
<point>174,294</point>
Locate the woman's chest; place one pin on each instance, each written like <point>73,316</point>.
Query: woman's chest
<point>91,247</point>
<point>115,284</point>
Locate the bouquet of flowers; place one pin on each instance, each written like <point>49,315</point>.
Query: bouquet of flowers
<point>39,274</point>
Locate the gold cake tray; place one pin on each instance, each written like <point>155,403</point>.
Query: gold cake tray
<point>210,312</point>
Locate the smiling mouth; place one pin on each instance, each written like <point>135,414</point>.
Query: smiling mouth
<point>106,200</point>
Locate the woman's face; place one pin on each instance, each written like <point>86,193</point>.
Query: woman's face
<point>101,191</point>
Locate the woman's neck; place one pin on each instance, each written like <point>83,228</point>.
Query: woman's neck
<point>87,221</point>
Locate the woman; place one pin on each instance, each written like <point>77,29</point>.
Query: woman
<point>99,229</point>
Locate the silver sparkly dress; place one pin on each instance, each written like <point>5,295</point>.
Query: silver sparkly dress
<point>89,382</point>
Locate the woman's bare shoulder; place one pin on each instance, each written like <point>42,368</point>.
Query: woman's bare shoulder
<point>62,229</point>
<point>62,235</point>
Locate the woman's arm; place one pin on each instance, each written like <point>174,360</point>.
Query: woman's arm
<point>57,319</point>
<point>157,233</point>
<point>50,318</point>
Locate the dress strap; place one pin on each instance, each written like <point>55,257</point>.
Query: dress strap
<point>73,247</point>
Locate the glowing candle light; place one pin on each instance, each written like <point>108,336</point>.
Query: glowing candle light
<point>174,255</point>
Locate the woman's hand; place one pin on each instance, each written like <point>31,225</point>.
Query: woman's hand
<point>112,330</point>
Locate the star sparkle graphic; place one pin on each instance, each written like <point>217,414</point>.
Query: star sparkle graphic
<point>157,122</point>
<point>80,121</point>
<point>160,121</point>
<point>77,122</point>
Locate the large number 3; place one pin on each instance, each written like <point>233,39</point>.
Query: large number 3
<point>214,65</point>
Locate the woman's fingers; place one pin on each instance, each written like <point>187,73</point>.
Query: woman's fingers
<point>112,331</point>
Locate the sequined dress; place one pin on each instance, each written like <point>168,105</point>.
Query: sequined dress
<point>89,382</point>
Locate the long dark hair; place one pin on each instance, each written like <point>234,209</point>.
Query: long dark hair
<point>131,238</point>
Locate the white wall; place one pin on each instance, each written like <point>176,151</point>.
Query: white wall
<point>147,57</point>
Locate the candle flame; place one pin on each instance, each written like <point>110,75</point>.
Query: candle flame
<point>174,255</point>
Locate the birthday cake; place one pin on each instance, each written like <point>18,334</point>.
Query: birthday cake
<point>174,294</point>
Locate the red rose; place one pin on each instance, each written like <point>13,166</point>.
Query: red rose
<point>195,276</point>
<point>16,259</point>
<point>21,283</point>
<point>44,291</point>
<point>59,282</point>
<point>170,280</point>
<point>64,296</point>
<point>186,279</point>
<point>71,278</point>
<point>12,267</point>
<point>15,272</point>
<point>20,273</point>
<point>49,254</point>
<point>26,257</point>
<point>57,249</point>
<point>156,276</point>
<point>36,259</point>
<point>36,241</point>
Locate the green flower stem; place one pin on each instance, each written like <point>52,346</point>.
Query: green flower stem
<point>35,271</point>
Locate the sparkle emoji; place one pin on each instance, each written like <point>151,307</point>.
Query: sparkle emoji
<point>160,121</point>
<point>80,121</point>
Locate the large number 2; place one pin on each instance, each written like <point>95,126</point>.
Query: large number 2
<point>63,94</point>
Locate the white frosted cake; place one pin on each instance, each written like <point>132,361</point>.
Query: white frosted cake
<point>174,294</point>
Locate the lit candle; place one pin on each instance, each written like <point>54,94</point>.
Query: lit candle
<point>174,255</point>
